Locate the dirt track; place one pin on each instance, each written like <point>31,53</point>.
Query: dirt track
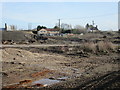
<point>103,82</point>
<point>108,81</point>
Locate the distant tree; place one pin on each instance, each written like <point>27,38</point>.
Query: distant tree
<point>77,31</point>
<point>43,27</point>
<point>96,28</point>
<point>79,27</point>
<point>119,31</point>
<point>56,27</point>
<point>65,26</point>
<point>40,27</point>
<point>5,26</point>
<point>91,27</point>
<point>87,26</point>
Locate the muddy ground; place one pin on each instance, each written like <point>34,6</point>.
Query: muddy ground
<point>22,67</point>
<point>94,63</point>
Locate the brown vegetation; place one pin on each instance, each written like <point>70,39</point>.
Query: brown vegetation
<point>102,46</point>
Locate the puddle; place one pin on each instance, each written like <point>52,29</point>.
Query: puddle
<point>62,78</point>
<point>39,83</point>
<point>46,82</point>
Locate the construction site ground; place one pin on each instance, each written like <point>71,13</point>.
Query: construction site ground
<point>88,61</point>
<point>21,67</point>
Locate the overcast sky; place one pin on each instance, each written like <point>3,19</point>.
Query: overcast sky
<point>105,14</point>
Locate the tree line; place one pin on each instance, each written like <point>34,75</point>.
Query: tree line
<point>67,28</point>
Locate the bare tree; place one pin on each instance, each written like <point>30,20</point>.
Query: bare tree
<point>79,27</point>
<point>66,26</point>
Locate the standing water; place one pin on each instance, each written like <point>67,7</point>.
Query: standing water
<point>46,82</point>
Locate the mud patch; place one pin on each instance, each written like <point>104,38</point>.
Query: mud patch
<point>42,73</point>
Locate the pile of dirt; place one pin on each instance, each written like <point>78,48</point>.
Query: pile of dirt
<point>14,35</point>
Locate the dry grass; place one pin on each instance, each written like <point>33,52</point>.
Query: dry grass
<point>102,46</point>
<point>89,47</point>
<point>91,35</point>
<point>105,46</point>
